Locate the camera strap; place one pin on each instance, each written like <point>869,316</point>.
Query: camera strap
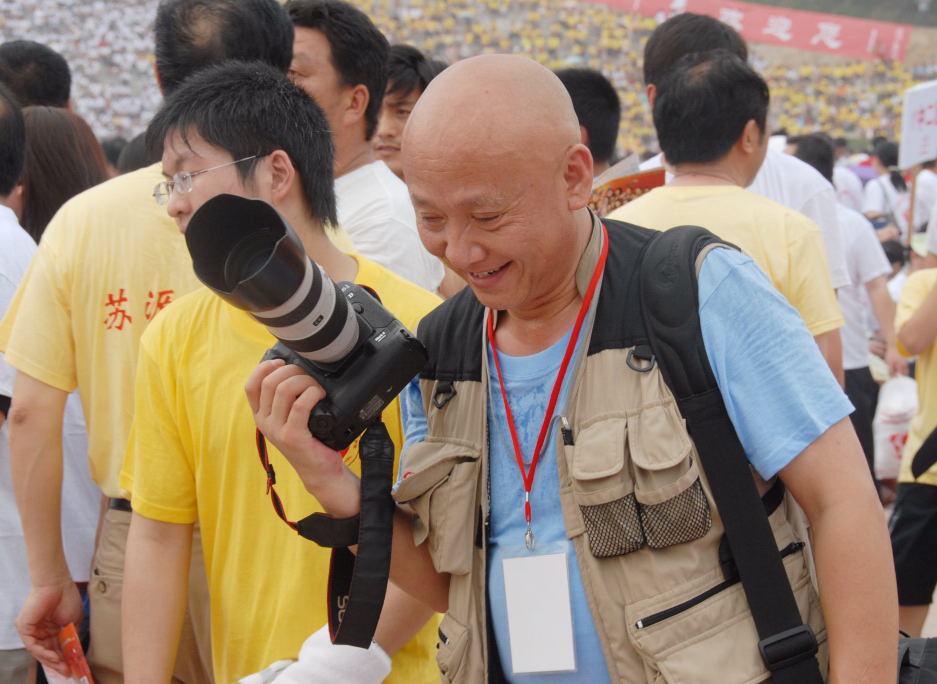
<point>357,582</point>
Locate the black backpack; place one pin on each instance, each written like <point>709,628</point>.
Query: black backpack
<point>670,306</point>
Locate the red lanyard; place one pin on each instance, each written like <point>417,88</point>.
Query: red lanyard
<point>528,475</point>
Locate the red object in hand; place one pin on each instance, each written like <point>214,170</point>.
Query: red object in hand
<point>74,655</point>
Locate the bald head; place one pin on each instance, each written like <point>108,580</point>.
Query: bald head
<point>503,104</point>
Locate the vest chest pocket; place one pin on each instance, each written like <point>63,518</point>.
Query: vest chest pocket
<point>672,504</point>
<point>439,484</point>
<point>636,483</point>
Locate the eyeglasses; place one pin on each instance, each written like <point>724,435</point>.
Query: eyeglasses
<point>182,181</point>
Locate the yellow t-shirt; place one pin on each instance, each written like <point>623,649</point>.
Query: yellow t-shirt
<point>109,260</point>
<point>192,456</point>
<point>785,244</point>
<point>915,290</point>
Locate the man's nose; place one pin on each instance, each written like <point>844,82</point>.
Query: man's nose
<point>178,208</point>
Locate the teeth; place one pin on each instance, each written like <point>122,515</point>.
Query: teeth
<point>485,274</point>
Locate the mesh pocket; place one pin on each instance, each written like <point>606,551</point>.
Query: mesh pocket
<point>613,528</point>
<point>684,518</point>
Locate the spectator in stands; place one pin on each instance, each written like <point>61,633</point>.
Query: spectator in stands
<point>869,271</point>
<point>63,158</point>
<point>37,74</point>
<point>599,111</point>
<point>886,199</point>
<point>113,145</point>
<point>109,261</point>
<point>710,113</point>
<point>340,59</point>
<point>409,71</point>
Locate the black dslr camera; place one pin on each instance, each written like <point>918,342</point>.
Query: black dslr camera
<point>338,333</point>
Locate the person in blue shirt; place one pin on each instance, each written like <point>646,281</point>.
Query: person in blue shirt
<point>500,182</point>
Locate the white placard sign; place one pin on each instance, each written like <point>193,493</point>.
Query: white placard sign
<point>918,125</point>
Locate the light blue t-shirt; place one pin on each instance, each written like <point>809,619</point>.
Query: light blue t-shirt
<point>778,390</point>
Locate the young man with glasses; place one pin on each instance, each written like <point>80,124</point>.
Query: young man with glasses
<point>110,260</point>
<point>244,130</point>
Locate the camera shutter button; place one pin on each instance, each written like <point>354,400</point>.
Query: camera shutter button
<point>358,308</point>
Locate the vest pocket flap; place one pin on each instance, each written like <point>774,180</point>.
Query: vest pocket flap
<point>425,464</point>
<point>657,438</point>
<point>453,644</point>
<point>599,451</point>
<point>439,483</point>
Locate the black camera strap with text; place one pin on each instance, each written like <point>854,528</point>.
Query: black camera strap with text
<point>357,582</point>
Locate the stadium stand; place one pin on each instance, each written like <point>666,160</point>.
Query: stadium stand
<point>108,44</point>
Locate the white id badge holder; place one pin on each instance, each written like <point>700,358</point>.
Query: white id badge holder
<point>540,618</point>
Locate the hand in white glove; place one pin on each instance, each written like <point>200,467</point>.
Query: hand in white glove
<point>322,662</point>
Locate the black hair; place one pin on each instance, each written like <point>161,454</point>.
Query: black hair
<point>409,70</point>
<point>37,74</point>
<point>12,141</point>
<point>597,108</point>
<point>193,34</point>
<point>816,150</point>
<point>841,142</point>
<point>136,154</point>
<point>684,34</point>
<point>887,154</point>
<point>359,49</point>
<point>250,108</point>
<point>112,146</point>
<point>895,252</point>
<point>703,105</point>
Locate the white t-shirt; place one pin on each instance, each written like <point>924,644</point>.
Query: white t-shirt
<point>848,188</point>
<point>932,231</point>
<point>883,198</point>
<point>866,261</point>
<point>798,186</point>
<point>375,210</point>
<point>925,197</point>
<point>80,496</point>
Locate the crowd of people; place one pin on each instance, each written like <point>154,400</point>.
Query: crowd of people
<point>691,402</point>
<point>105,42</point>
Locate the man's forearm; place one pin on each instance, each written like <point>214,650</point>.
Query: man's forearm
<point>35,426</point>
<point>883,306</point>
<point>853,556</point>
<point>401,618</point>
<point>154,601</point>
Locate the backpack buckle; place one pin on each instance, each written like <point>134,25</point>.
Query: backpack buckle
<point>788,647</point>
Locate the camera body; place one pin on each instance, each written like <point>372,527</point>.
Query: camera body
<point>363,383</point>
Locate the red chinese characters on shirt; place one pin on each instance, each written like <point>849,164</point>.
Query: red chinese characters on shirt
<point>116,306</point>
<point>156,303</point>
<point>117,316</point>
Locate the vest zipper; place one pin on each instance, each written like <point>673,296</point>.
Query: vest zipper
<point>650,620</point>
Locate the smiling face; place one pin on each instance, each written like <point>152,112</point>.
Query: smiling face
<point>195,156</point>
<point>395,110</point>
<point>499,180</point>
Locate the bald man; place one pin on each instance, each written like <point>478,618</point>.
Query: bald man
<point>550,499</point>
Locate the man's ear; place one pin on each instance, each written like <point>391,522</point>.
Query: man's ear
<point>577,174</point>
<point>283,175</point>
<point>752,137</point>
<point>14,201</point>
<point>356,105</point>
<point>651,95</point>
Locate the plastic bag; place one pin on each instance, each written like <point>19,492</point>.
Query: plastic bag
<point>897,405</point>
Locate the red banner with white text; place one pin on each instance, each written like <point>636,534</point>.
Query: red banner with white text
<point>799,29</point>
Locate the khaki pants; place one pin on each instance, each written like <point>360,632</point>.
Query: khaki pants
<point>193,660</point>
<point>14,666</point>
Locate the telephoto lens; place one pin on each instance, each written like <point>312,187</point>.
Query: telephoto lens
<point>340,334</point>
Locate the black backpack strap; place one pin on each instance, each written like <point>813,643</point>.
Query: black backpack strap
<point>670,301</point>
